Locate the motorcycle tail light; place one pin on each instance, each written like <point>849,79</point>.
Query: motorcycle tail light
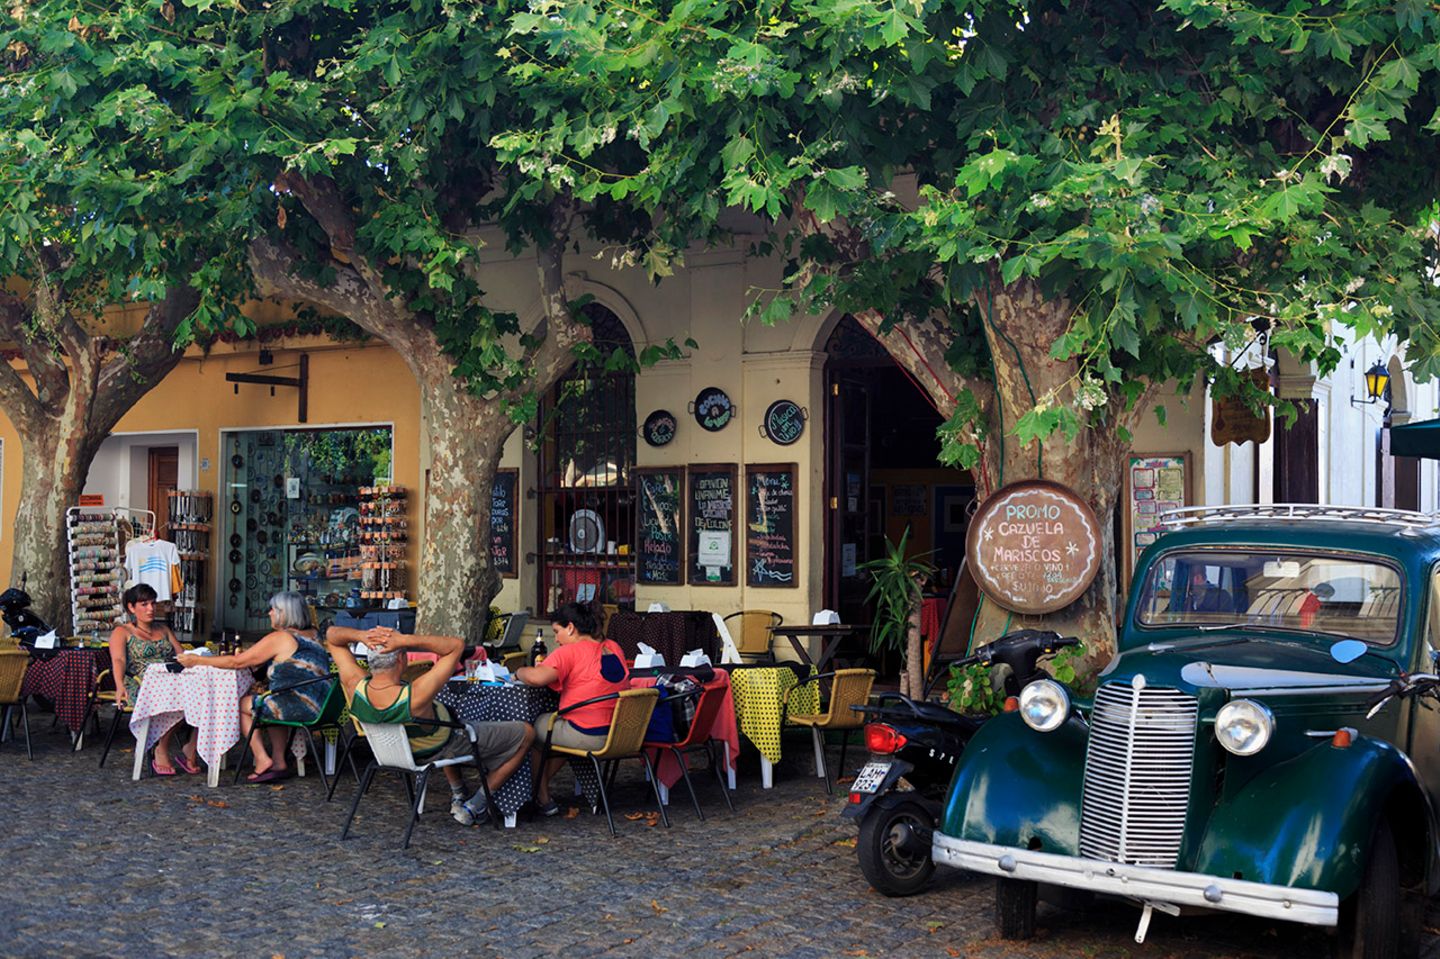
<point>856,799</point>
<point>880,738</point>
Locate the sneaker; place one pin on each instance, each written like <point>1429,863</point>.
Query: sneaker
<point>461,813</point>
<point>479,814</point>
<point>551,808</point>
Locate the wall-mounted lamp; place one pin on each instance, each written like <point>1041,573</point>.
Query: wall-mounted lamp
<point>1377,383</point>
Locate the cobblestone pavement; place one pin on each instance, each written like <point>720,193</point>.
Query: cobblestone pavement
<point>98,865</point>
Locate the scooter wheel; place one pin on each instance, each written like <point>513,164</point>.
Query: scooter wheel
<point>894,847</point>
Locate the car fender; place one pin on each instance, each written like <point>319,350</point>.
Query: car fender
<point>1307,822</point>
<point>1014,786</point>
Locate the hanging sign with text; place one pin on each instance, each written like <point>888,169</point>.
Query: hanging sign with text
<point>661,557</point>
<point>1034,547</point>
<point>770,525</point>
<point>502,522</point>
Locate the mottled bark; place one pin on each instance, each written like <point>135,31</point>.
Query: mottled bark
<point>912,681</point>
<point>465,432</point>
<point>83,386</point>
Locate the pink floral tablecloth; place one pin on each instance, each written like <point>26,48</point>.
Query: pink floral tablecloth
<point>205,697</point>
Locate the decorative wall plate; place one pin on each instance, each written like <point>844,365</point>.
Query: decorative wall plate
<point>237,461</point>
<point>784,422</point>
<point>262,537</point>
<point>236,540</point>
<point>254,495</point>
<point>235,556</point>
<point>713,409</point>
<point>235,506</point>
<point>659,428</point>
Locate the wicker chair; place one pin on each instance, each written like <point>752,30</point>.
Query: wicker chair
<point>626,740</point>
<point>751,632</point>
<point>102,696</point>
<point>13,663</point>
<point>850,687</point>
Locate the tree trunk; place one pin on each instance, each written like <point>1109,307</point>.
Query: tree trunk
<point>55,465</point>
<point>912,681</point>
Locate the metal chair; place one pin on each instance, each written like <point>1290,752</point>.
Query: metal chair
<point>13,663</point>
<point>851,687</point>
<point>626,740</point>
<point>711,698</point>
<point>100,696</point>
<point>331,710</point>
<point>391,749</point>
<point>752,637</point>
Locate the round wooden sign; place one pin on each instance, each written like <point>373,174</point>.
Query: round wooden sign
<point>784,422</point>
<point>659,428</point>
<point>713,409</point>
<point>1034,547</point>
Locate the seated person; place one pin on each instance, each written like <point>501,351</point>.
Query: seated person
<point>296,669</point>
<point>1205,598</point>
<point>384,697</point>
<point>581,667</point>
<point>134,647</point>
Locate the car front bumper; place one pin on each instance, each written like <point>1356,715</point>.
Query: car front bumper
<point>1310,906</point>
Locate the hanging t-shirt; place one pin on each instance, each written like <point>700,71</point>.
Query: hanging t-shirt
<point>156,563</point>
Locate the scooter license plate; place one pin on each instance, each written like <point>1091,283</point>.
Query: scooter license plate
<point>869,778</point>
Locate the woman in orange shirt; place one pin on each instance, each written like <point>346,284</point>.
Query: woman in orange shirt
<point>581,667</point>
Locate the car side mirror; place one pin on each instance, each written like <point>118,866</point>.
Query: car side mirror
<point>1347,650</point>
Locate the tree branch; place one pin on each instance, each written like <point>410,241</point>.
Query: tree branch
<point>52,379</point>
<point>323,201</point>
<point>558,331</point>
<point>152,354</point>
<point>21,405</point>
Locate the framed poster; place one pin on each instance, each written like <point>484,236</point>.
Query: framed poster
<point>660,494</point>
<point>502,522</point>
<point>1153,483</point>
<point>770,525</point>
<point>711,523</point>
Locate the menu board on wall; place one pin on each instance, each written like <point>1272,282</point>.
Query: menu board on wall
<point>770,525</point>
<point>661,556</point>
<point>712,525</point>
<point>1153,484</point>
<point>502,522</point>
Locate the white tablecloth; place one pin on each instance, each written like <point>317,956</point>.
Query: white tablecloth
<point>205,697</point>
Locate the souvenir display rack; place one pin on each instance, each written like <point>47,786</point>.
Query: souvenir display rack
<point>384,533</point>
<point>190,516</point>
<point>97,568</point>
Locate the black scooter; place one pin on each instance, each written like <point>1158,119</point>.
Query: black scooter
<point>899,794</point>
<point>25,624</point>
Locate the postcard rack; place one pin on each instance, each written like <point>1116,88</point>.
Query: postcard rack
<point>97,567</point>
<point>190,516</point>
<point>383,536</point>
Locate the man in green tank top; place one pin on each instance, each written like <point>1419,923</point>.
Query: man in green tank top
<point>381,695</point>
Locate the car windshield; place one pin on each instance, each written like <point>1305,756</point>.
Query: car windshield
<point>1322,593</point>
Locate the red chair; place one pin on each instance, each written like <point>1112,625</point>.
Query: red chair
<point>712,697</point>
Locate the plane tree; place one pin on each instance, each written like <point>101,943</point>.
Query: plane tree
<point>1047,211</point>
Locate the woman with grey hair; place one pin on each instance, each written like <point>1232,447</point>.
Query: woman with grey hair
<point>297,663</point>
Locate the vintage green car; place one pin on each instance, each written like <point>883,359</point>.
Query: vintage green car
<point>1228,760</point>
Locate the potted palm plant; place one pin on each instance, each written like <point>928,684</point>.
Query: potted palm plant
<point>896,580</point>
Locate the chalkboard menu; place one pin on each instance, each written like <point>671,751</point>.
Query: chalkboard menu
<point>661,556</point>
<point>712,525</point>
<point>770,525</point>
<point>502,522</point>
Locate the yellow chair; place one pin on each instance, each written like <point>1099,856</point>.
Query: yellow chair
<point>849,687</point>
<point>99,696</point>
<point>625,740</point>
<point>751,632</point>
<point>13,663</point>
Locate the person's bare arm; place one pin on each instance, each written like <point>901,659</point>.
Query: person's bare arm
<point>447,649</point>
<point>541,675</point>
<point>117,664</point>
<point>337,641</point>
<point>262,652</point>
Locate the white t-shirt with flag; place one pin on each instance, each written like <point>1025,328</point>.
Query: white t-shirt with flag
<point>156,563</point>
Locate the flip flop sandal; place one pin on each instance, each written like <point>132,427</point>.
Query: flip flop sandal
<point>183,763</point>
<point>160,772</point>
<point>268,776</point>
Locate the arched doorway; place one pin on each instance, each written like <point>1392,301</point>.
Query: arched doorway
<point>586,486</point>
<point>883,474</point>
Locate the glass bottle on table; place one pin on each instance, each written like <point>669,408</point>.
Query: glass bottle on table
<point>537,649</point>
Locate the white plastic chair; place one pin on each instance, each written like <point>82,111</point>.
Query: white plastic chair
<point>391,749</point>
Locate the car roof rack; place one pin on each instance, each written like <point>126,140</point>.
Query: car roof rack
<point>1201,515</point>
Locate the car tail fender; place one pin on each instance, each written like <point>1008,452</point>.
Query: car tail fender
<point>1014,786</point>
<point>1307,822</point>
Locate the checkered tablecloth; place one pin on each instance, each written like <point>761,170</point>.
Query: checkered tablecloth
<point>205,697</point>
<point>758,693</point>
<point>478,703</point>
<point>66,679</point>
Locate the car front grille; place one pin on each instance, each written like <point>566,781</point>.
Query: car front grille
<point>1137,775</point>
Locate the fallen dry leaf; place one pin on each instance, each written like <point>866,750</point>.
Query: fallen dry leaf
<point>934,926</point>
<point>528,848</point>
<point>572,812</point>
<point>379,925</point>
<point>276,789</point>
<point>847,843</point>
<point>633,816</point>
<point>542,840</point>
<point>217,803</point>
<point>342,902</point>
<point>659,909</point>
<point>954,953</point>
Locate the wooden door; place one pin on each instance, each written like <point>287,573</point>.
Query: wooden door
<point>164,477</point>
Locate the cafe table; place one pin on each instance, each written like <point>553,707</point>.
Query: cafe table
<point>205,697</point>
<point>479,702</point>
<point>66,677</point>
<point>829,634</point>
<point>759,693</point>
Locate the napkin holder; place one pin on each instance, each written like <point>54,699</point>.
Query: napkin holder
<point>696,657</point>
<point>658,607</point>
<point>648,657</point>
<point>826,617</point>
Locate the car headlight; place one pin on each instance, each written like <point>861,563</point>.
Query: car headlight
<point>1243,726</point>
<point>1044,704</point>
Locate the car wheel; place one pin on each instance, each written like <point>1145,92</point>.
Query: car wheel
<point>1015,908</point>
<point>894,848</point>
<point>1370,919</point>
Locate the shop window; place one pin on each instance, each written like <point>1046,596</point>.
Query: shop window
<point>587,453</point>
<point>290,509</point>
